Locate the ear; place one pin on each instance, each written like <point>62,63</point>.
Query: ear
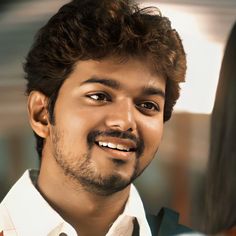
<point>38,113</point>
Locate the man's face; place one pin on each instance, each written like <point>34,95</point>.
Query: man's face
<point>108,124</point>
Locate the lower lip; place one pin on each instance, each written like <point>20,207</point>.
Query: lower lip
<point>116,154</point>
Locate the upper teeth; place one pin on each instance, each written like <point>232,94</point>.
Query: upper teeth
<point>115,146</point>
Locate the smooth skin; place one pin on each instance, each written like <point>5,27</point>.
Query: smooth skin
<point>86,183</point>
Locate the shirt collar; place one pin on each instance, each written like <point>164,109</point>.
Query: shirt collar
<point>30,213</point>
<point>39,218</point>
<point>133,209</point>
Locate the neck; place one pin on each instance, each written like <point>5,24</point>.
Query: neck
<point>79,207</point>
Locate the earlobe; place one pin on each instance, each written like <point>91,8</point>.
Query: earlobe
<point>38,113</point>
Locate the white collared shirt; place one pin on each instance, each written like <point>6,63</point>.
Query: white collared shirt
<point>24,212</point>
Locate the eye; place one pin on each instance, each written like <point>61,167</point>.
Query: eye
<point>99,97</point>
<point>148,106</point>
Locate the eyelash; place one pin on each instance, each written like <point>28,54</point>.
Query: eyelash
<point>154,106</point>
<point>140,106</point>
<point>106,97</point>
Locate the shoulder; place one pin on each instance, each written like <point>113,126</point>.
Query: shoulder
<point>14,202</point>
<point>166,222</point>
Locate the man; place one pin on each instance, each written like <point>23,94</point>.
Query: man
<point>103,76</point>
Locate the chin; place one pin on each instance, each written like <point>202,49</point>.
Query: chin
<point>105,186</point>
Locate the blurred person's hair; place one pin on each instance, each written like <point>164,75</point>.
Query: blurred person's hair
<point>221,178</point>
<point>92,29</point>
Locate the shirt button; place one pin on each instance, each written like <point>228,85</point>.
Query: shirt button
<point>62,234</point>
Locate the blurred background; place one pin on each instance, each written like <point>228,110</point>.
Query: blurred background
<point>176,178</point>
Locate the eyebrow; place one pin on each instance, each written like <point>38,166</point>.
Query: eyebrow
<point>153,91</point>
<point>150,90</point>
<point>104,81</point>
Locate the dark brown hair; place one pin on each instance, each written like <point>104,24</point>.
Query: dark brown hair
<point>221,175</point>
<point>92,29</point>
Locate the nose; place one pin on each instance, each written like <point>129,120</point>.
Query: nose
<point>122,116</point>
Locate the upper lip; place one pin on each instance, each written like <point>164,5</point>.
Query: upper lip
<point>127,143</point>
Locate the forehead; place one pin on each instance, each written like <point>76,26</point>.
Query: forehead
<point>132,72</point>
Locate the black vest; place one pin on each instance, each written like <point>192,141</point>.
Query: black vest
<point>163,224</point>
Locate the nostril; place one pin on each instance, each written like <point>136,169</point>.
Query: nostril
<point>122,126</point>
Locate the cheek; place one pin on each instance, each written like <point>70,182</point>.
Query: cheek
<point>76,124</point>
<point>153,131</point>
<point>152,135</point>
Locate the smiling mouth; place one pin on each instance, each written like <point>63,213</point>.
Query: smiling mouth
<point>113,146</point>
